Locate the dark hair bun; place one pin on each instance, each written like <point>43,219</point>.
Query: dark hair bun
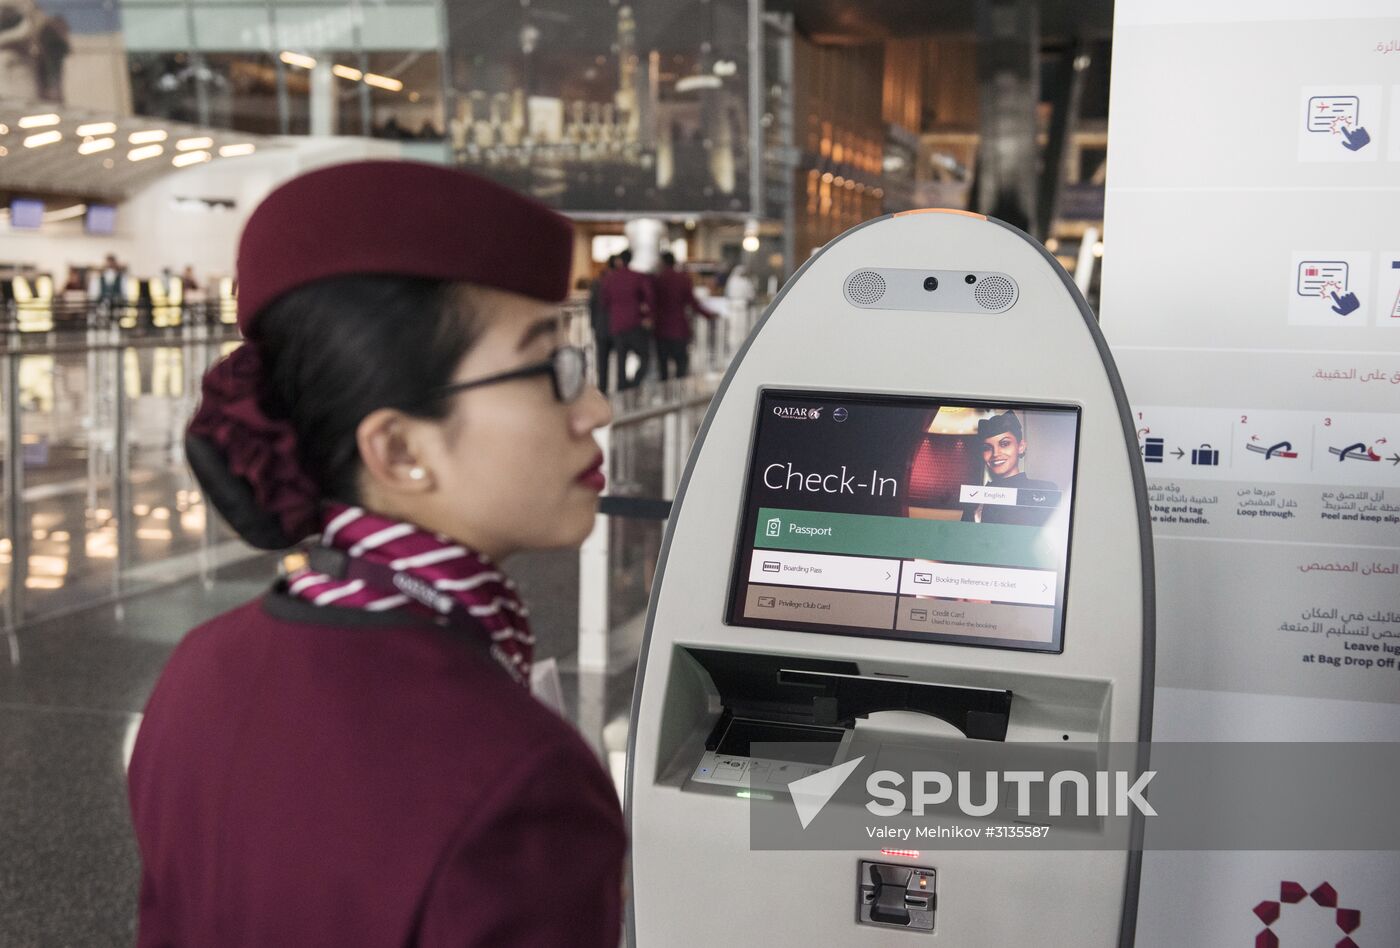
<point>245,461</point>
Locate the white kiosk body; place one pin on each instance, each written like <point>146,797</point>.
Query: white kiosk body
<point>917,489</point>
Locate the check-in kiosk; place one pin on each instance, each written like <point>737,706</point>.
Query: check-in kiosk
<point>915,514</point>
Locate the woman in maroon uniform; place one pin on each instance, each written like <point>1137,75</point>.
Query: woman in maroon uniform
<point>355,757</point>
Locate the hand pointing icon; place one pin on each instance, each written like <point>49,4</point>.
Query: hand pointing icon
<point>1355,138</point>
<point>1347,303</point>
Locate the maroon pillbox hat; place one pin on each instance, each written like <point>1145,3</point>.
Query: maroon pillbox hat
<point>400,218</point>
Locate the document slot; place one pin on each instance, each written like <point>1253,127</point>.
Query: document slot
<point>979,713</point>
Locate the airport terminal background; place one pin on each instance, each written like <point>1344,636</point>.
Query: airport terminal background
<point>136,137</point>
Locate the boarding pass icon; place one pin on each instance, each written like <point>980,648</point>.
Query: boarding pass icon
<point>1326,111</point>
<point>1317,277</point>
<point>924,578</point>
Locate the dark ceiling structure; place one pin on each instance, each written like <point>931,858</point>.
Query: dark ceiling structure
<point>852,22</point>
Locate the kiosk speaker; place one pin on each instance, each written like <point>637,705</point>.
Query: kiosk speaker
<point>995,292</point>
<point>865,286</point>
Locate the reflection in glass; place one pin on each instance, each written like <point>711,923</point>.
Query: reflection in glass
<point>66,471</point>
<point>608,107</point>
<point>242,91</point>
<point>405,95</point>
<point>163,85</point>
<point>159,479</point>
<point>107,503</point>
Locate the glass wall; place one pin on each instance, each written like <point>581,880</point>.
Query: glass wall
<point>164,514</point>
<point>368,67</point>
<point>241,89</point>
<point>604,106</point>
<point>416,110</point>
<point>98,498</point>
<point>164,85</point>
<point>66,485</point>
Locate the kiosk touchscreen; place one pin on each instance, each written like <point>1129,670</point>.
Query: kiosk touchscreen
<point>863,518</point>
<point>914,519</point>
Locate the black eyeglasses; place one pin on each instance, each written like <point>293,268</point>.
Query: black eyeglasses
<point>567,368</point>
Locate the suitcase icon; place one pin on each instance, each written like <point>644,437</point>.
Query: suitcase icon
<point>1205,456</point>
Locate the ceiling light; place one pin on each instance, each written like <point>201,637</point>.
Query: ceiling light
<point>144,152</point>
<point>96,128</point>
<point>692,83</point>
<point>94,145</point>
<point>192,144</point>
<point>190,158</point>
<point>235,151</point>
<point>347,72</point>
<point>38,121</point>
<point>43,138</point>
<point>383,82</point>
<point>146,138</point>
<point>297,59</point>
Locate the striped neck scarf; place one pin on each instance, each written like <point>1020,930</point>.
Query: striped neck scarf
<point>466,582</point>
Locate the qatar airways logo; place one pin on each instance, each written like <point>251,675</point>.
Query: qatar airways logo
<point>799,414</point>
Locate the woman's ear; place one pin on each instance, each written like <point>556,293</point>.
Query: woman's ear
<point>389,450</point>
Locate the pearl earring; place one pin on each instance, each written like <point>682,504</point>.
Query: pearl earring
<point>417,473</point>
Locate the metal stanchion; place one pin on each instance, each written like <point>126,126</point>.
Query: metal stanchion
<point>121,488</point>
<point>593,582</point>
<point>14,503</point>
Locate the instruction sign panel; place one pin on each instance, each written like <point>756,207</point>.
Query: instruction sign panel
<point>1251,285</point>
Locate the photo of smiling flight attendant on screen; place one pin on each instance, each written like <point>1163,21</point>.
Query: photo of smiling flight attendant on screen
<point>1003,445</point>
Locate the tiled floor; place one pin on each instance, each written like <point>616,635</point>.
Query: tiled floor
<point>68,707</point>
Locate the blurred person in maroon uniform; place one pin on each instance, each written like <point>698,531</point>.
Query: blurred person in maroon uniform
<point>602,330</point>
<point>628,296</point>
<point>675,300</point>
<point>355,757</point>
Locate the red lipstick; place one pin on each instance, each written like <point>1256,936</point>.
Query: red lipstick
<point>593,478</point>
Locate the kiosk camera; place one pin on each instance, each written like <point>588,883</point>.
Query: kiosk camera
<point>914,518</point>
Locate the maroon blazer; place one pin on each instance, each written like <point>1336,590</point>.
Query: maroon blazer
<point>675,296</point>
<point>628,297</point>
<point>319,776</point>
